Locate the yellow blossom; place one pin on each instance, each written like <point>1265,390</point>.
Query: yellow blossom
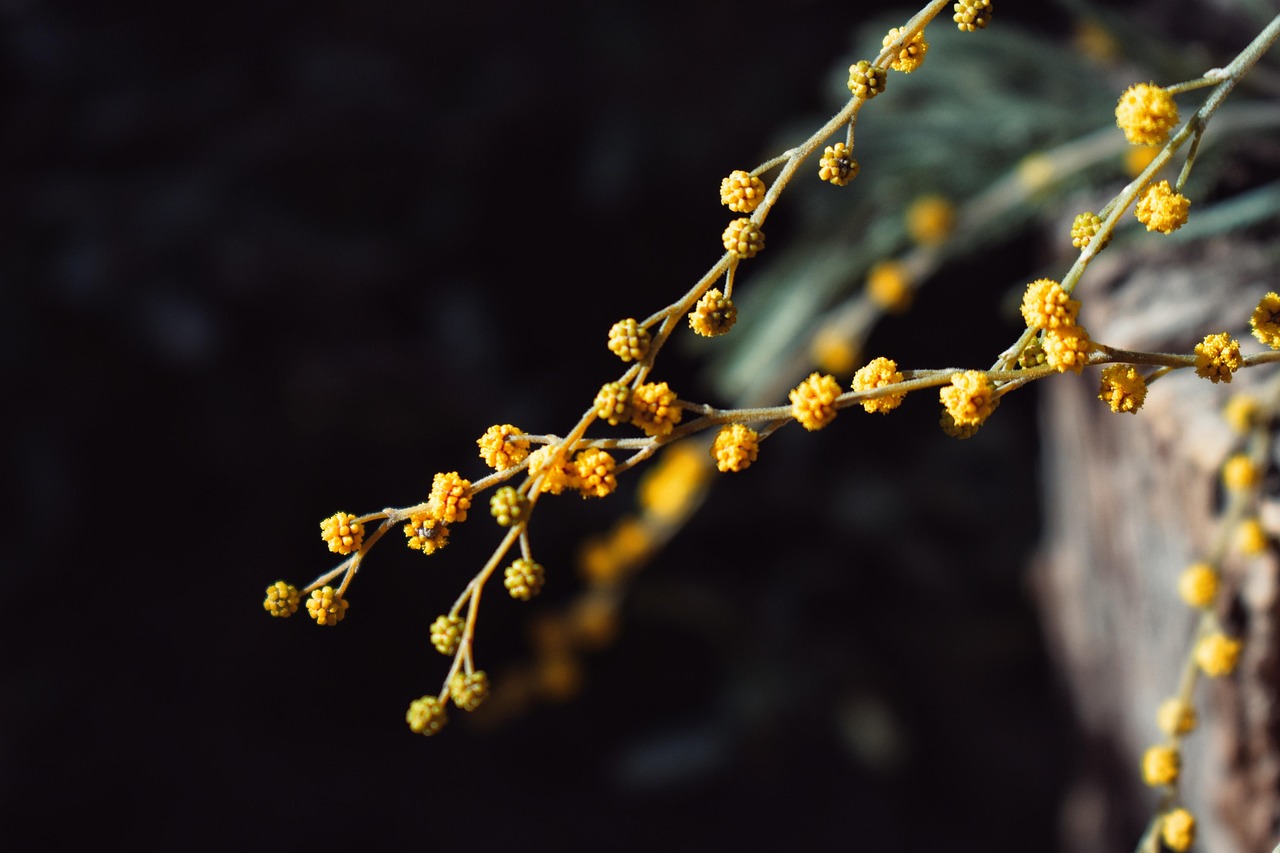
<point>426,715</point>
<point>655,408</point>
<point>1266,320</point>
<point>1241,412</point>
<point>426,533</point>
<point>1239,473</point>
<point>912,52</point>
<point>889,285</point>
<point>1198,585</point>
<point>741,192</point>
<point>1175,717</point>
<point>1146,113</point>
<point>326,607</point>
<point>502,447</point>
<point>281,600</point>
<point>1067,348</point>
<point>1178,830</point>
<point>1123,388</point>
<point>1161,209</point>
<point>837,166</point>
<point>450,497</point>
<point>1251,537</point>
<point>1217,654</point>
<point>1045,305</point>
<point>1161,765</point>
<point>969,399</point>
<point>930,220</point>
<point>1218,357</point>
<point>628,340</point>
<point>595,472</point>
<point>878,373</point>
<point>343,533</point>
<point>714,314</point>
<point>813,401</point>
<point>555,478</point>
<point>735,447</point>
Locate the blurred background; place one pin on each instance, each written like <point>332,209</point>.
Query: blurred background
<point>269,261</point>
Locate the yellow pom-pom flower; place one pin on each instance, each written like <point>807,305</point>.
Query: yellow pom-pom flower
<point>837,166</point>
<point>555,478</point>
<point>326,607</point>
<point>878,373</point>
<point>655,408</point>
<point>866,80</point>
<point>1198,585</point>
<point>1146,113</point>
<point>741,192</point>
<point>714,314</point>
<point>1178,830</point>
<point>813,401</point>
<point>613,402</point>
<point>669,489</point>
<point>972,15</point>
<point>426,715</point>
<point>508,506</point>
<point>1265,321</point>
<point>1161,209</point>
<point>1066,348</point>
<point>735,447</point>
<point>912,52</point>
<point>1045,305</point>
<point>1161,765</point>
<point>502,447</point>
<point>524,579</point>
<point>1175,717</point>
<point>969,399</point>
<point>282,599</point>
<point>426,533</point>
<point>1241,412</point>
<point>446,633</point>
<point>834,350</point>
<point>1123,388</point>
<point>1239,473</point>
<point>450,497</point>
<point>743,238</point>
<point>890,286</point>
<point>595,473</point>
<point>469,690</point>
<point>1251,537</point>
<point>1218,357</point>
<point>1217,654</point>
<point>930,220</point>
<point>343,533</point>
<point>628,340</point>
<point>1085,227</point>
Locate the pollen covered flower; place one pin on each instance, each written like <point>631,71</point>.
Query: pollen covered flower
<point>972,15</point>
<point>1045,305</point>
<point>343,533</point>
<point>654,408</point>
<point>878,373</point>
<point>930,220</point>
<point>469,689</point>
<point>1085,227</point>
<point>1218,357</point>
<point>595,473</point>
<point>866,80</point>
<point>508,506</point>
<point>1123,388</point>
<point>813,401</point>
<point>1265,321</point>
<point>281,600</point>
<point>524,579</point>
<point>555,478</point>
<point>628,340</point>
<point>326,607</point>
<point>1161,765</point>
<point>1066,348</point>
<point>1251,537</point>
<point>446,634</point>
<point>1178,830</point>
<point>1217,654</point>
<point>1198,584</point>
<point>889,285</point>
<point>1146,113</point>
<point>1239,473</point>
<point>912,52</point>
<point>1175,717</point>
<point>969,399</point>
<point>714,314</point>
<point>743,238</point>
<point>450,497</point>
<point>1161,209</point>
<point>502,447</point>
<point>426,715</point>
<point>613,402</point>
<point>735,447</point>
<point>426,533</point>
<point>741,192</point>
<point>837,165</point>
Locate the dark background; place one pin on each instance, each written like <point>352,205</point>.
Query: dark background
<point>267,261</point>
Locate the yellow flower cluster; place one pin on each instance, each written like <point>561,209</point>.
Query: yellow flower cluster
<point>878,373</point>
<point>281,600</point>
<point>735,447</point>
<point>450,497</point>
<point>837,166</point>
<point>1251,537</point>
<point>668,490</point>
<point>1265,321</point>
<point>655,409</point>
<point>1198,585</point>
<point>1175,717</point>
<point>889,285</point>
<point>326,607</point>
<point>1161,765</point>
<point>595,473</point>
<point>1241,412</point>
<point>813,401</point>
<point>714,314</point>
<point>628,340</point>
<point>1178,830</point>
<point>866,80</point>
<point>343,533</point>
<point>426,533</point>
<point>1217,654</point>
<point>741,192</point>
<point>1084,227</point>
<point>613,402</point>
<point>1123,388</point>
<point>1218,357</point>
<point>743,238</point>
<point>524,579</point>
<point>1239,473</point>
<point>1161,209</point>
<point>911,55</point>
<point>1045,305</point>
<point>468,690</point>
<point>426,715</point>
<point>1067,348</point>
<point>930,220</point>
<point>972,15</point>
<point>508,506</point>
<point>446,634</point>
<point>555,478</point>
<point>1146,113</point>
<point>502,447</point>
<point>969,399</point>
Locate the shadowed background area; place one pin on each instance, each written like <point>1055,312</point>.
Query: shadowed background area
<point>266,262</point>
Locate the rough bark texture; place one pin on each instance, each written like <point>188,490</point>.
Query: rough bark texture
<point>1130,501</point>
